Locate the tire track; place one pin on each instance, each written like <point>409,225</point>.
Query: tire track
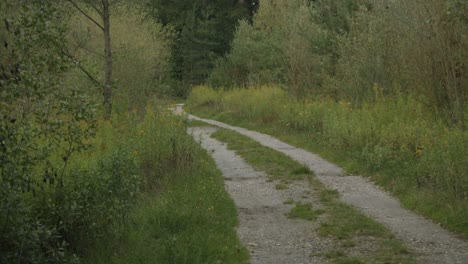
<point>435,244</point>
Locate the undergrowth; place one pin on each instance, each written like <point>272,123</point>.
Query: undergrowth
<point>394,141</point>
<point>182,213</point>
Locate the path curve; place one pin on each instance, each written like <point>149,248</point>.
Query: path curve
<point>435,244</point>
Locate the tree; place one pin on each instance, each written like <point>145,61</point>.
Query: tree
<point>40,121</point>
<point>204,31</point>
<point>103,9</point>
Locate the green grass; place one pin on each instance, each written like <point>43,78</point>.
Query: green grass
<point>191,221</point>
<point>281,186</point>
<point>333,254</point>
<point>395,142</point>
<point>345,222</point>
<point>275,164</point>
<point>340,222</point>
<point>183,213</point>
<point>348,243</point>
<point>304,211</point>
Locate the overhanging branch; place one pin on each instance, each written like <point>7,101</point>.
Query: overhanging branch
<point>82,68</point>
<point>86,15</point>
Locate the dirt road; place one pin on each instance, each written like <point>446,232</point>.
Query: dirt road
<point>433,243</point>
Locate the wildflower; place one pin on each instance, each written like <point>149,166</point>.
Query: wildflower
<point>419,151</point>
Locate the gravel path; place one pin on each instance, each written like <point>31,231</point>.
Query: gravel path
<point>434,244</point>
<point>263,225</point>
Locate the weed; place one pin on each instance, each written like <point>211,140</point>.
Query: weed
<point>328,196</point>
<point>348,243</point>
<point>304,211</point>
<point>301,170</point>
<point>335,254</point>
<point>355,224</point>
<point>281,186</point>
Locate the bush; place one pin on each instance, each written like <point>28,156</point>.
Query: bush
<point>140,56</point>
<point>96,201</point>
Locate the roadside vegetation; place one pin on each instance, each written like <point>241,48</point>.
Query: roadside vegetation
<point>81,186</point>
<point>348,227</point>
<point>181,214</point>
<point>396,143</point>
<point>378,87</point>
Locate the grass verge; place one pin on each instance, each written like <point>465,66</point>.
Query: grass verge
<point>190,219</point>
<point>182,213</point>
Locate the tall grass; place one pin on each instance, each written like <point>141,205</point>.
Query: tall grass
<point>146,183</point>
<point>73,183</point>
<point>345,49</point>
<point>179,212</point>
<point>394,141</point>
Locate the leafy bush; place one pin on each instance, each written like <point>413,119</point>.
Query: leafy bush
<point>140,56</point>
<point>96,201</point>
<point>42,124</point>
<point>64,183</point>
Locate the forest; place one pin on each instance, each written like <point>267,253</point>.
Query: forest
<point>96,169</point>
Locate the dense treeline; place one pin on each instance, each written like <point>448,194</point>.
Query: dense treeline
<point>203,31</point>
<point>356,50</point>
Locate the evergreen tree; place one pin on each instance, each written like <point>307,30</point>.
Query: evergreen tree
<point>204,30</point>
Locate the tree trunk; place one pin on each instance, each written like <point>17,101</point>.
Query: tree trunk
<point>107,91</point>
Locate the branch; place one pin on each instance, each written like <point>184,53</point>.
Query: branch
<point>88,74</point>
<point>77,46</point>
<point>86,15</point>
<point>114,3</point>
<point>82,68</point>
<point>93,6</point>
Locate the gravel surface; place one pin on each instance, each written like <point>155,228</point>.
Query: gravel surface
<point>264,227</point>
<point>432,243</point>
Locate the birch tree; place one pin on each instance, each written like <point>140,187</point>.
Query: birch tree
<point>103,9</point>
